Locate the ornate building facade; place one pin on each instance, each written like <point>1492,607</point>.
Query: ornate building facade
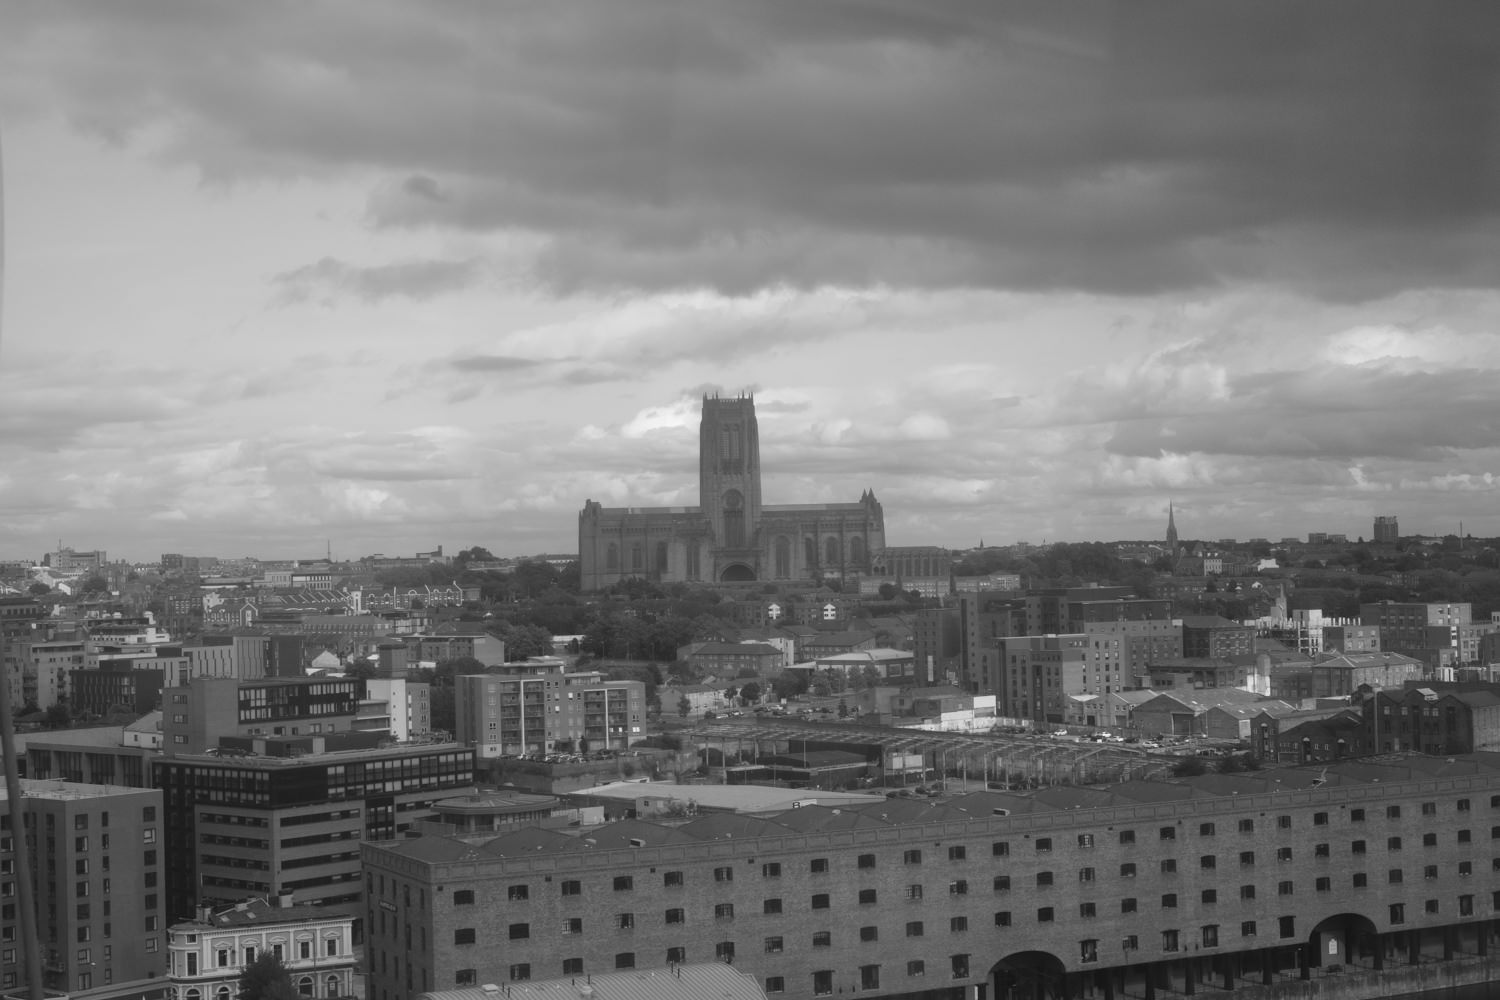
<point>731,537</point>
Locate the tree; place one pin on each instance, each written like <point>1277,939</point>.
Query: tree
<point>750,693</point>
<point>477,554</point>
<point>524,641</point>
<point>59,716</point>
<point>731,693</point>
<point>94,585</point>
<point>38,589</point>
<point>1189,767</point>
<point>684,706</point>
<point>362,669</point>
<point>788,685</point>
<point>266,978</point>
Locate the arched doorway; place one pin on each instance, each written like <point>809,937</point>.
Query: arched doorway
<point>1344,939</point>
<point>1029,975</point>
<point>737,573</point>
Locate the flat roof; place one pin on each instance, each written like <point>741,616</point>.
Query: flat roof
<point>740,798</point>
<point>868,811</point>
<point>326,757</point>
<point>56,789</point>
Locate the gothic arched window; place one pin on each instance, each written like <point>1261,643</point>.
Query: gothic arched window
<point>857,550</point>
<point>734,520</point>
<point>692,560</point>
<point>809,552</point>
<point>612,556</point>
<point>637,557</point>
<point>832,552</point>
<point>783,558</point>
<point>661,557</point>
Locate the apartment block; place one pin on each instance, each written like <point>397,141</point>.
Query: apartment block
<point>1404,625</point>
<point>937,644</point>
<point>1035,674</point>
<point>1214,637</point>
<point>98,862</point>
<point>485,648</point>
<point>1351,638</point>
<point>507,715</point>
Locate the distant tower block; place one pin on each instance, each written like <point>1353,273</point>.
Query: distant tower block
<point>1386,529</point>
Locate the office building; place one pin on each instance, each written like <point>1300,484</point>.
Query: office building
<point>197,715</point>
<point>292,818</point>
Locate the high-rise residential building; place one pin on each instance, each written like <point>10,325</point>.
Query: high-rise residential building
<point>983,617</point>
<point>98,859</point>
<point>1035,673</point>
<point>1213,637</point>
<point>42,669</point>
<point>508,714</point>
<point>1407,625</point>
<point>731,536</point>
<point>1049,611</point>
<point>1387,531</point>
<point>937,644</point>
<point>410,705</point>
<point>1122,651</point>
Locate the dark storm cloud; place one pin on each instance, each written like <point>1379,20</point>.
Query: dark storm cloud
<point>1339,412</point>
<point>416,279</point>
<point>492,363</point>
<point>1345,148</point>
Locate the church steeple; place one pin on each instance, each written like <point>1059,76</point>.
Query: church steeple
<point>1171,530</point>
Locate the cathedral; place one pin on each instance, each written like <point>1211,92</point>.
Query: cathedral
<point>731,537</point>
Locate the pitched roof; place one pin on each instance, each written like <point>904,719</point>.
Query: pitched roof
<point>628,833</point>
<point>731,826</point>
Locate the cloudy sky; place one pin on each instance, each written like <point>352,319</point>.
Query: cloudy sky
<point>395,274</point>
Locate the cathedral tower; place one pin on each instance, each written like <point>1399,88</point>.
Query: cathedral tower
<point>729,470</point>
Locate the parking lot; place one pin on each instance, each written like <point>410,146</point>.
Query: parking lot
<point>962,761</point>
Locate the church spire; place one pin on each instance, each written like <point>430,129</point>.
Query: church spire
<point>1171,530</point>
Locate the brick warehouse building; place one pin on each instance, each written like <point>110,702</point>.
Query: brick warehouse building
<point>1223,879</point>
